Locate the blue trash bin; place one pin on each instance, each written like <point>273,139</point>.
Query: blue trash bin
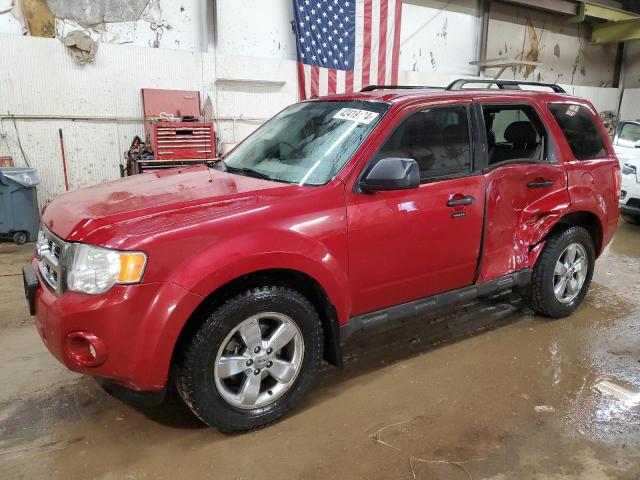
<point>19,216</point>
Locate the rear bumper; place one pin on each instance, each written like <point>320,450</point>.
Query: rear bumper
<point>136,325</point>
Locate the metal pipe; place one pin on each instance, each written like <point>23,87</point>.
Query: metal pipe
<point>64,161</point>
<point>485,6</point>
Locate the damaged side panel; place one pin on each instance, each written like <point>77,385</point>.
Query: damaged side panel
<point>603,201</point>
<point>519,214</point>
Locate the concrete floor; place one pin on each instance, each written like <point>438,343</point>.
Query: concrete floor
<point>486,392</point>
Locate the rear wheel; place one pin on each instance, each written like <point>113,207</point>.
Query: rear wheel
<point>562,274</point>
<point>252,359</point>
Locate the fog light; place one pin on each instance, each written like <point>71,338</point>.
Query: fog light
<point>623,193</point>
<point>85,349</point>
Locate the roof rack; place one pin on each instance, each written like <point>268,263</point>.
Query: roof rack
<point>371,88</point>
<point>502,84</point>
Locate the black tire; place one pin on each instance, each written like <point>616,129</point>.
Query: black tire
<point>195,375</point>
<point>539,295</point>
<point>20,238</point>
<point>631,218</point>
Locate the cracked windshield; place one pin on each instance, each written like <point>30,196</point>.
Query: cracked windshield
<point>307,143</point>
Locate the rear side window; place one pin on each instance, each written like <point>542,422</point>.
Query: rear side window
<point>514,132</point>
<point>580,129</point>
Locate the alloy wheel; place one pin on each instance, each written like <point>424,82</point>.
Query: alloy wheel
<point>259,360</point>
<point>570,273</point>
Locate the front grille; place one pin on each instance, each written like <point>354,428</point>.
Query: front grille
<point>633,202</point>
<point>50,252</point>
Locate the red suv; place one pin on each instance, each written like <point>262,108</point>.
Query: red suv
<point>236,279</point>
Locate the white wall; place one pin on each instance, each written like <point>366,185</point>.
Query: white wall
<point>243,106</point>
<point>439,40</point>
<point>11,22</point>
<point>630,107</point>
<point>255,28</point>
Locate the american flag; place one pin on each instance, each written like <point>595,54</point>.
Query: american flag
<point>345,45</point>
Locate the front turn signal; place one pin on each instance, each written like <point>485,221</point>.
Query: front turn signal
<point>131,267</point>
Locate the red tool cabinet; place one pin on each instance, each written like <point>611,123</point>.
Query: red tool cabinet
<point>182,140</point>
<point>177,140</point>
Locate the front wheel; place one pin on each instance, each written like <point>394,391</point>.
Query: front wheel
<point>252,359</point>
<point>562,274</point>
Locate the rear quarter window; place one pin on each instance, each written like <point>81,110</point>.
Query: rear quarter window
<point>580,129</point>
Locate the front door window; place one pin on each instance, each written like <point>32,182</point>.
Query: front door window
<point>438,139</point>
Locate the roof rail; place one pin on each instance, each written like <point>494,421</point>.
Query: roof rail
<point>502,84</point>
<point>371,88</point>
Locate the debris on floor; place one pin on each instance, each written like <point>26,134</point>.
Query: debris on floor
<point>544,409</point>
<point>629,398</point>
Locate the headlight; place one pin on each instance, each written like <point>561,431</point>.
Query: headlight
<point>95,270</point>
<point>628,169</point>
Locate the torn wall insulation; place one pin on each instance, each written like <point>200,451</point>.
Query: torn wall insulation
<point>178,25</point>
<point>82,48</point>
<point>94,12</point>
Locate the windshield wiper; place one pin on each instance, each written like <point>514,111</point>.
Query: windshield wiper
<point>246,171</point>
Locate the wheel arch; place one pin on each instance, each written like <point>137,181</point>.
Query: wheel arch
<point>586,219</point>
<point>287,277</point>
<point>581,218</point>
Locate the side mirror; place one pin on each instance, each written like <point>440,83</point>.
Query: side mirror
<point>392,174</point>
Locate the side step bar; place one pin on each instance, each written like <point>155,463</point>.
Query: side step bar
<point>436,302</point>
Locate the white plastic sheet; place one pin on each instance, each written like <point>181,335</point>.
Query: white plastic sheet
<point>27,177</point>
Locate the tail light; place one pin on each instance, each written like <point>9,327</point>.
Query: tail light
<point>618,182</point>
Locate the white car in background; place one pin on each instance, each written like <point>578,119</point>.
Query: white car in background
<point>626,143</point>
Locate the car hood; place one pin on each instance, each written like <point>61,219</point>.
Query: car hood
<point>627,155</point>
<point>150,201</point>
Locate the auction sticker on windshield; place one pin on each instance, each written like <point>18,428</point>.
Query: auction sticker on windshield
<point>356,115</point>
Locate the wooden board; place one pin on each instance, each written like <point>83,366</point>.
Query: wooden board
<point>40,21</point>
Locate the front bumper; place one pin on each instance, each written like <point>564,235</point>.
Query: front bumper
<point>138,326</point>
<point>630,202</point>
<point>629,209</point>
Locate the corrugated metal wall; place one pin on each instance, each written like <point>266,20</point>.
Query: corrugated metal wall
<point>97,106</point>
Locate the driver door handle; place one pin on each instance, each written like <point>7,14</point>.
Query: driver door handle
<point>540,184</point>
<point>459,202</point>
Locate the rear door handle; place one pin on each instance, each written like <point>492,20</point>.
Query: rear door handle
<point>460,202</point>
<point>541,184</point>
